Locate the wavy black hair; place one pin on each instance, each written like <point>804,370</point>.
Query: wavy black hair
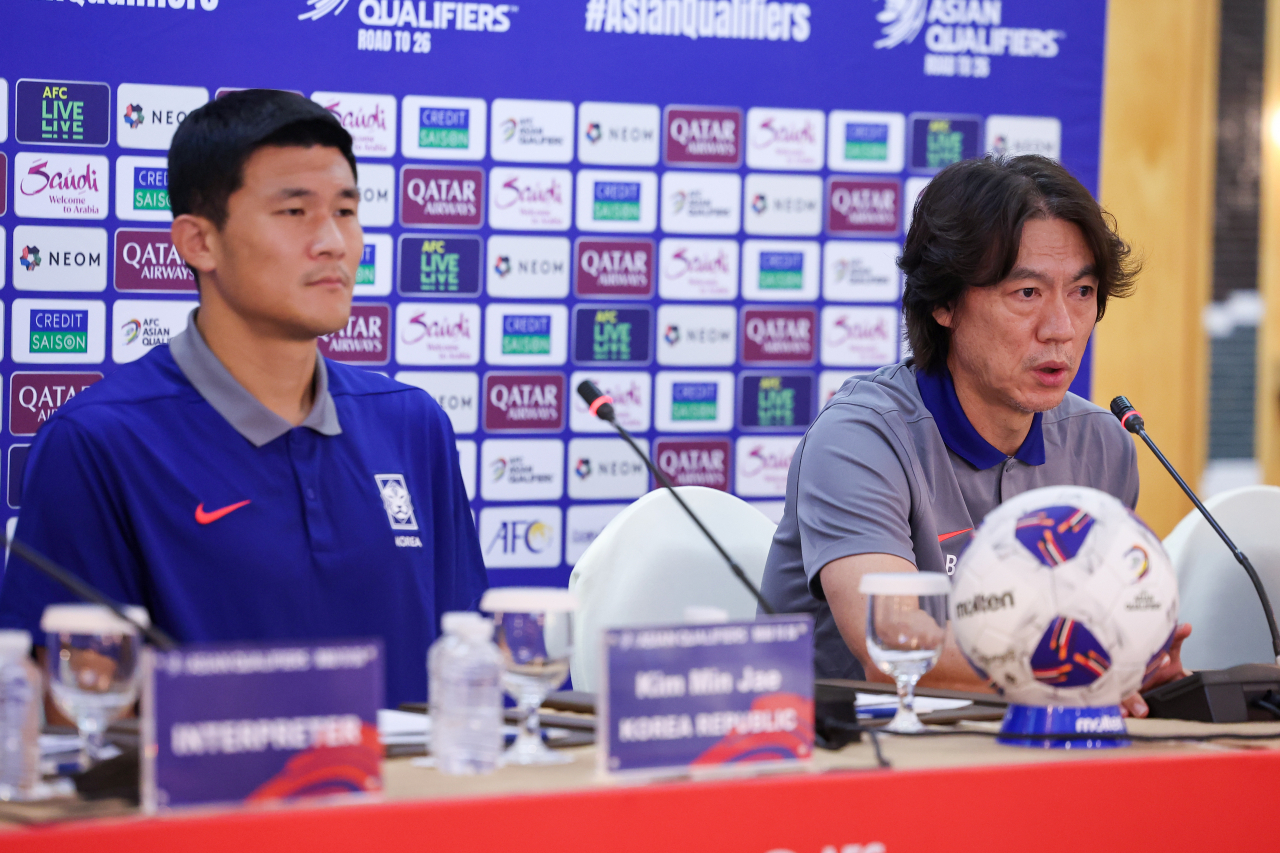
<point>966,231</point>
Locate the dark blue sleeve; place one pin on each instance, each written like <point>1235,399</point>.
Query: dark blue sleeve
<point>70,513</point>
<point>460,573</point>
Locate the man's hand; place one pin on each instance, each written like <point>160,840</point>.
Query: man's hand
<point>849,607</point>
<point>1170,669</point>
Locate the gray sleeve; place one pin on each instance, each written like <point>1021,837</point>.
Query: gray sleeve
<point>852,492</point>
<point>1129,491</point>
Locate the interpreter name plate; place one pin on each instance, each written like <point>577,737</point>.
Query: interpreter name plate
<point>678,698</point>
<point>261,723</point>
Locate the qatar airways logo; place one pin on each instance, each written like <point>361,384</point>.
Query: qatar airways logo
<point>704,136</point>
<point>781,336</point>
<point>695,462</point>
<point>524,402</point>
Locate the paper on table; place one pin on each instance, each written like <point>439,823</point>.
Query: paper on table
<point>924,704</point>
<point>401,727</point>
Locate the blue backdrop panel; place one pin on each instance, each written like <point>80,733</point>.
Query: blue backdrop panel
<point>696,202</point>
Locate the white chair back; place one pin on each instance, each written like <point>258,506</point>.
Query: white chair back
<point>651,562</point>
<point>1214,592</point>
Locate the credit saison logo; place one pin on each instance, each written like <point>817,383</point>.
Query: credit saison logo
<point>693,401</point>
<point>616,201</point>
<point>781,270</point>
<point>962,35</point>
<point>695,19</point>
<point>151,189</point>
<point>59,331</point>
<point>367,271</point>
<point>444,128</point>
<point>526,334</point>
<point>984,604</point>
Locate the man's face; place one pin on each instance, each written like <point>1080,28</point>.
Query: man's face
<point>1018,343</point>
<point>286,258</point>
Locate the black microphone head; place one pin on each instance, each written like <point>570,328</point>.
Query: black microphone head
<point>599,402</point>
<point>1130,418</point>
<point>588,391</point>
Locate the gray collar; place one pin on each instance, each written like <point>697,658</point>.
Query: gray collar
<point>229,398</point>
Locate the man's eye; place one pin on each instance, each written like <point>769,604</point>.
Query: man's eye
<point>1087,290</point>
<point>1027,292</point>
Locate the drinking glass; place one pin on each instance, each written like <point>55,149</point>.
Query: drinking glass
<point>94,663</point>
<point>534,631</point>
<point>906,628</point>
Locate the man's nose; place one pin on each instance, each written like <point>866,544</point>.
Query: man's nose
<point>1056,320</point>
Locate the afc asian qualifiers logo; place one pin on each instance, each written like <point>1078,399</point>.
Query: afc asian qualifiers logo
<point>396,501</point>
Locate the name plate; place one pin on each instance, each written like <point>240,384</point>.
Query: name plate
<point>259,723</point>
<point>677,698</point>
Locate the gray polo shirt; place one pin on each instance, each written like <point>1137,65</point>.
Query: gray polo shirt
<point>229,398</point>
<point>892,466</point>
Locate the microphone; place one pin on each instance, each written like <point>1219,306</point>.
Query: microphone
<point>601,405</point>
<point>1211,695</point>
<point>87,591</point>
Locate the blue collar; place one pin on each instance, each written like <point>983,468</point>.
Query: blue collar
<point>938,393</point>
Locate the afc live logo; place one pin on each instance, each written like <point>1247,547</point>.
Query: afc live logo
<point>57,112</point>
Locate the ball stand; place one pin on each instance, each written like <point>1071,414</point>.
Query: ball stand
<point>1033,726</point>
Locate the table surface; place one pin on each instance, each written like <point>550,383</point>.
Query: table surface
<point>958,774</point>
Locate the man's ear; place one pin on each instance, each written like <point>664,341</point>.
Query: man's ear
<point>197,241</point>
<point>944,315</point>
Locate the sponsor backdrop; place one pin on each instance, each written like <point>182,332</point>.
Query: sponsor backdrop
<point>695,203</point>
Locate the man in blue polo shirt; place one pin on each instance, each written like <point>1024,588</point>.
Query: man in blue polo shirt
<point>234,482</point>
<point>1009,265</point>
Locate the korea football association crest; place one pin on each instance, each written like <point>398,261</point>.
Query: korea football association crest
<point>396,501</point>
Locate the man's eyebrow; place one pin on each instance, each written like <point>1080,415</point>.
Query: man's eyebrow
<point>301,192</point>
<point>350,192</point>
<point>1018,273</point>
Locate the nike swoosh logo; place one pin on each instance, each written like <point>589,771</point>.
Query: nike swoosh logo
<point>943,537</point>
<point>203,517</point>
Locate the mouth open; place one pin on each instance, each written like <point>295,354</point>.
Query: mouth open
<point>1052,374</point>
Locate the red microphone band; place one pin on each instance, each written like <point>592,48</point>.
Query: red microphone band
<point>1124,422</point>
<point>598,402</point>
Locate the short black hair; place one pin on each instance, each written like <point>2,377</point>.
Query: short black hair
<point>210,147</point>
<point>966,231</point>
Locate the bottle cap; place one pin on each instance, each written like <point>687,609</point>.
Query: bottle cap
<point>468,625</point>
<point>528,599</point>
<point>15,644</point>
<point>90,619</point>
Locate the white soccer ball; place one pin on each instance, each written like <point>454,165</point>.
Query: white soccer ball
<point>1064,597</point>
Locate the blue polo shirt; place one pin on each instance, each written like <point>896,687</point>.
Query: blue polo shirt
<point>168,485</point>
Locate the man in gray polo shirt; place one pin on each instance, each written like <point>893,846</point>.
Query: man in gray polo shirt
<point>1009,264</point>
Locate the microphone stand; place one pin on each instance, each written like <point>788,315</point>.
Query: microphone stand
<point>601,407</point>
<point>1211,695</point>
<point>87,592</point>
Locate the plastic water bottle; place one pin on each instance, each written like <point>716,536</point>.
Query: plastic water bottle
<point>464,668</point>
<point>21,693</point>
